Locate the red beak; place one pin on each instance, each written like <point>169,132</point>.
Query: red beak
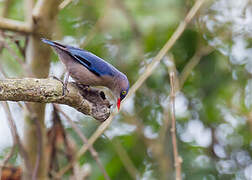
<point>118,103</point>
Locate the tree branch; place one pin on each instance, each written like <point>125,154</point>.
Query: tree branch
<point>6,8</point>
<point>148,71</point>
<point>14,25</point>
<point>177,158</point>
<point>89,101</point>
<point>92,150</point>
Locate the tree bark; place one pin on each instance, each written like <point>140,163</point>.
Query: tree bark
<point>38,59</point>
<point>89,101</point>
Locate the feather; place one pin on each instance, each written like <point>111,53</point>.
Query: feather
<point>93,63</point>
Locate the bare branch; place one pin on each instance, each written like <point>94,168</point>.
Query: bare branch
<point>64,4</point>
<point>173,128</point>
<point>89,101</point>
<point>2,71</point>
<point>171,66</point>
<point>15,136</point>
<point>148,71</point>
<point>28,7</point>
<point>39,149</point>
<point>203,51</point>
<point>151,67</point>
<point>13,53</point>
<point>124,157</point>
<point>16,26</point>
<point>84,140</point>
<point>45,9</point>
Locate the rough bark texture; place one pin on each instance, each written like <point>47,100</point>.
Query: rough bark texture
<point>41,19</point>
<point>89,101</point>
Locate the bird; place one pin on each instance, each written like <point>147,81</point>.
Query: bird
<point>88,69</point>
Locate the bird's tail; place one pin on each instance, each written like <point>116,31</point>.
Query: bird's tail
<point>53,43</point>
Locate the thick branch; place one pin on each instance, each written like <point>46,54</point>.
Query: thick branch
<point>89,101</point>
<point>14,25</point>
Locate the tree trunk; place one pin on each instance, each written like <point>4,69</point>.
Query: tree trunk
<point>38,59</point>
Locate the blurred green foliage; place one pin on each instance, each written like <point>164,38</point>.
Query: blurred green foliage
<point>214,119</point>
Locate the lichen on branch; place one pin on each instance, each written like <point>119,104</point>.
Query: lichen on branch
<point>88,100</point>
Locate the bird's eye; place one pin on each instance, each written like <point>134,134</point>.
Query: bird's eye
<point>123,92</point>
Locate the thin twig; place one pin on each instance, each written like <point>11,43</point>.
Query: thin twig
<point>15,136</point>
<point>85,141</point>
<point>20,48</point>
<point>123,155</point>
<point>171,66</point>
<point>19,60</point>
<point>28,7</point>
<point>151,67</point>
<point>14,54</point>
<point>14,25</point>
<point>203,51</point>
<point>39,149</point>
<point>16,40</point>
<point>2,71</point>
<point>64,4</point>
<point>173,128</point>
<point>148,71</point>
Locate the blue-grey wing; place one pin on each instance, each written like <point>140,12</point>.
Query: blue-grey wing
<point>92,62</point>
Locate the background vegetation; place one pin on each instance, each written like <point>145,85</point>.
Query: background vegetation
<point>213,65</point>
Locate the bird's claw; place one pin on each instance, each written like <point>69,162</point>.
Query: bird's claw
<point>56,78</point>
<point>64,88</point>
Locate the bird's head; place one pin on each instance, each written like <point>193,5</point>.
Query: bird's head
<point>122,90</point>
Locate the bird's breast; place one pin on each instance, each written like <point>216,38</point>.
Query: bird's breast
<point>81,74</point>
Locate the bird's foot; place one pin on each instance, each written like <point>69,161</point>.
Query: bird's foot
<point>64,84</point>
<point>56,78</point>
<point>83,86</point>
<point>65,90</point>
